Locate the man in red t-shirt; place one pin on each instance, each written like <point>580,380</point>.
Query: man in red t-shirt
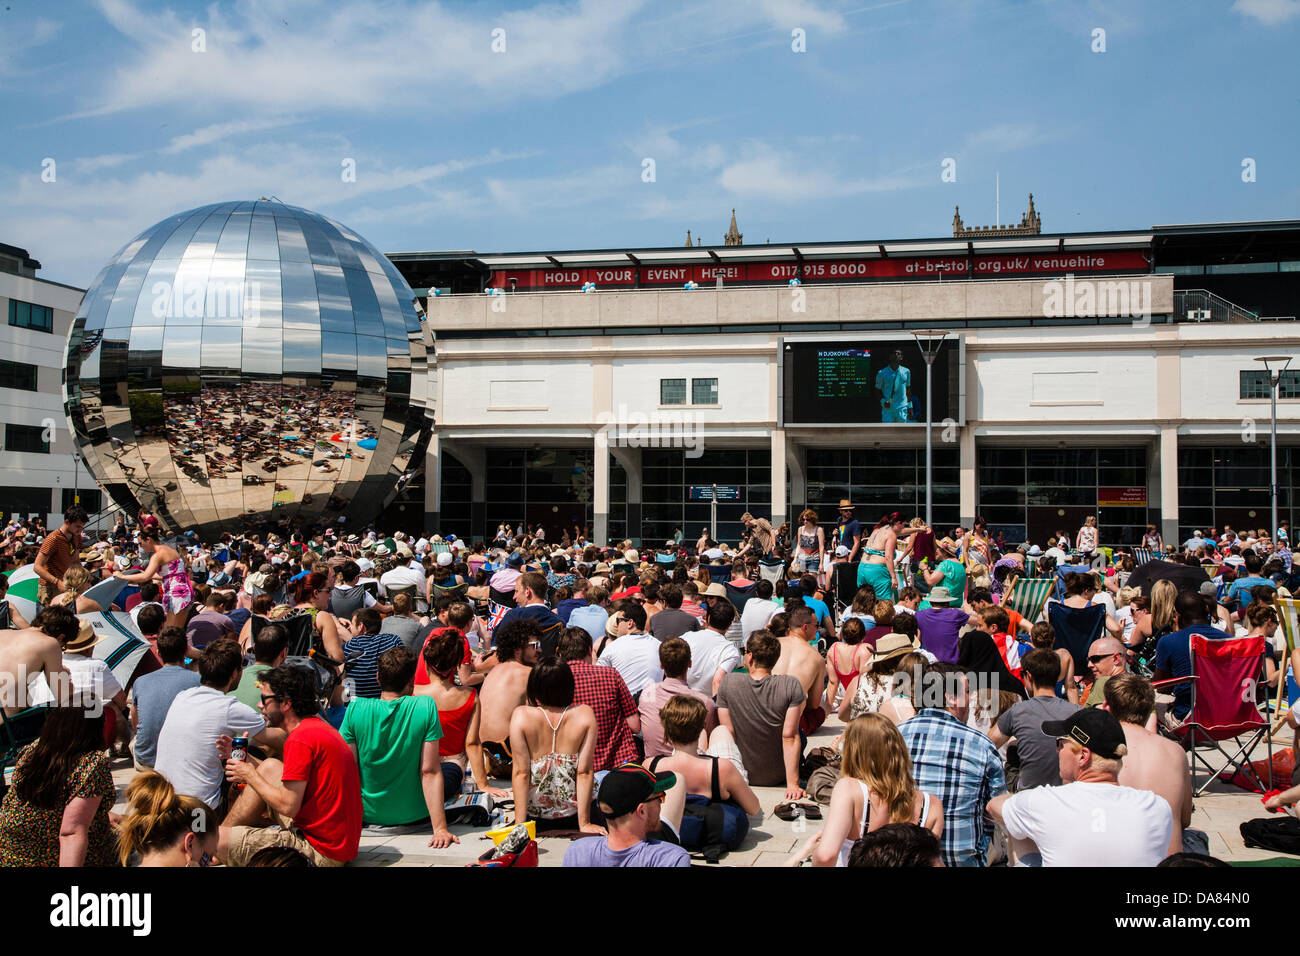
<point>314,794</point>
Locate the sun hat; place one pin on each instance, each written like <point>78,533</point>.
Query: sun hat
<point>382,551</point>
<point>845,505</point>
<point>631,556</point>
<point>940,595</point>
<point>714,590</point>
<point>445,559</point>
<point>891,646</point>
<point>86,639</point>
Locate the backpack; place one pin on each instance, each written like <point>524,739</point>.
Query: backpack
<point>711,826</point>
<point>1281,834</point>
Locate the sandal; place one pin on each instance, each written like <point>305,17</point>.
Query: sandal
<point>790,810</point>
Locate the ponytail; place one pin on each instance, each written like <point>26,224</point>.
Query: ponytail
<point>157,817</point>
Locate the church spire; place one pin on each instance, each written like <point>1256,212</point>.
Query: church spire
<point>734,235</point>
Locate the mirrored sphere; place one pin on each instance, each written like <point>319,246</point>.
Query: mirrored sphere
<point>247,365</point>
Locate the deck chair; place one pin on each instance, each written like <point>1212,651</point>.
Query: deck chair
<point>665,560</point>
<point>1288,616</point>
<point>1062,570</point>
<point>739,595</point>
<point>1221,713</point>
<point>1076,628</point>
<point>1143,555</point>
<point>499,602</point>
<point>301,628</point>
<point>1028,595</point>
<point>455,591</point>
<point>771,570</point>
<point>372,588</point>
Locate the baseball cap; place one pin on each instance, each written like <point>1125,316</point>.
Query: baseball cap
<point>1098,730</point>
<point>1209,589</point>
<point>627,787</point>
<point>365,564</point>
<point>841,552</point>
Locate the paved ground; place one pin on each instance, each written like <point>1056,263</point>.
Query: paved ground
<point>771,842</point>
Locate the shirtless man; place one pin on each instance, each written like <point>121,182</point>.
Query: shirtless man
<point>33,652</point>
<point>799,659</point>
<point>518,644</point>
<point>1153,762</point>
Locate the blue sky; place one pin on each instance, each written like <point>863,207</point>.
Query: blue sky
<point>541,146</point>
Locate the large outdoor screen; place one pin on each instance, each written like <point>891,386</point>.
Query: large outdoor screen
<point>869,382</point>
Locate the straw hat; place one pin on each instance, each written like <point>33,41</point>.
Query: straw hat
<point>845,504</point>
<point>891,646</point>
<point>714,590</point>
<point>86,639</point>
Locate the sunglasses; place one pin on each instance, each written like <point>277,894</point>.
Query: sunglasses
<point>1098,658</point>
<point>1062,741</point>
<point>534,643</point>
<point>266,697</point>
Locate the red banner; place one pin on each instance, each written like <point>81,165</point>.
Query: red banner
<point>847,270</point>
<point>1130,497</point>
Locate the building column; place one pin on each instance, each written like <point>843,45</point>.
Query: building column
<point>969,494</point>
<point>1169,484</point>
<point>778,477</point>
<point>798,491</point>
<point>630,459</point>
<point>433,485</point>
<point>600,487</point>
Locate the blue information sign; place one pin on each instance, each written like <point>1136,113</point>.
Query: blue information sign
<point>705,492</point>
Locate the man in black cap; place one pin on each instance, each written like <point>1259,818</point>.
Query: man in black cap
<point>1091,820</point>
<point>629,798</point>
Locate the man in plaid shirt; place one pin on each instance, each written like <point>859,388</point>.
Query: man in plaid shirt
<point>604,691</point>
<point>955,763</point>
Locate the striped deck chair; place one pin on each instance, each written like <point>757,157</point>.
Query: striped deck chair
<point>439,547</point>
<point>1028,595</point>
<point>1143,555</point>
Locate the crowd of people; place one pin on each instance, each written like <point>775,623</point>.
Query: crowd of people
<point>300,688</point>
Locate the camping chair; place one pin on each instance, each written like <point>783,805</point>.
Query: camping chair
<point>301,628</point>
<point>455,591</point>
<point>1064,569</point>
<point>771,570</point>
<point>1027,596</point>
<point>844,585</point>
<point>372,588</point>
<point>739,595</point>
<point>499,602</point>
<point>719,573</point>
<point>1221,712</point>
<point>1076,628</point>
<point>16,732</point>
<point>1143,555</point>
<point>665,560</point>
<point>410,590</point>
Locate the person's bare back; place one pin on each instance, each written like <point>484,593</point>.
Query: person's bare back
<point>800,660</point>
<point>503,690</point>
<point>1159,765</point>
<point>24,655</point>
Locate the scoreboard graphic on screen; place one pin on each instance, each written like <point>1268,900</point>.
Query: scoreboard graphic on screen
<point>877,382</point>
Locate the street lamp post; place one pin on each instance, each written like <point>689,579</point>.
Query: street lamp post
<point>929,343</point>
<point>1274,383</point>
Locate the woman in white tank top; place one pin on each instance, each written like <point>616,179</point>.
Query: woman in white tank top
<point>876,788</point>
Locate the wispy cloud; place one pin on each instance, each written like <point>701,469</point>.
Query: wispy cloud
<point>1269,12</point>
<point>790,177</point>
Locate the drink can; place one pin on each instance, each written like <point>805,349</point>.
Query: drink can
<point>239,748</point>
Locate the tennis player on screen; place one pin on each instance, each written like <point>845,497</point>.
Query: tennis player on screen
<point>893,382</point>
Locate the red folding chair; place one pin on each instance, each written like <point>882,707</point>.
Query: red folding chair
<point>1224,683</point>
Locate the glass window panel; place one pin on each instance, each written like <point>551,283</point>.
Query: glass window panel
<point>338,351</point>
<point>181,348</point>
<point>365,307</point>
<point>827,458</point>
<point>335,303</point>
<point>225,292</point>
<point>302,351</point>
<point>222,347</point>
<point>293,244</point>
<point>263,351</point>
<point>263,243</point>
<point>672,391</point>
<point>372,357</point>
<point>298,288</point>
<point>233,243</point>
<point>262,294</point>
<point>704,391</point>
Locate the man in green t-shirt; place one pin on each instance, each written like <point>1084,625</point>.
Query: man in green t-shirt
<point>1106,658</point>
<point>270,648</point>
<point>395,740</point>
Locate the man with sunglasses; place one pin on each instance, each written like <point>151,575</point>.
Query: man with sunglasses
<point>630,797</point>
<point>630,651</point>
<point>1091,820</point>
<point>1106,658</point>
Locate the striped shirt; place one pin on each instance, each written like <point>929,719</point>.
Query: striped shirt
<point>960,766</point>
<point>363,674</point>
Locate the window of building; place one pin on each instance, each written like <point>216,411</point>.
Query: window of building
<point>672,391</point>
<point>1254,383</point>
<point>25,315</point>
<point>704,391</point>
<point>18,375</point>
<point>92,499</point>
<point>27,501</point>
<point>30,438</point>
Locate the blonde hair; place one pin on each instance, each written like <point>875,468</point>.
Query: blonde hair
<point>77,579</point>
<point>1126,595</point>
<point>157,817</point>
<point>1163,593</point>
<point>979,576</point>
<point>875,753</point>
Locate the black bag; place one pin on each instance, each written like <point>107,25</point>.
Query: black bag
<point>1281,834</point>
